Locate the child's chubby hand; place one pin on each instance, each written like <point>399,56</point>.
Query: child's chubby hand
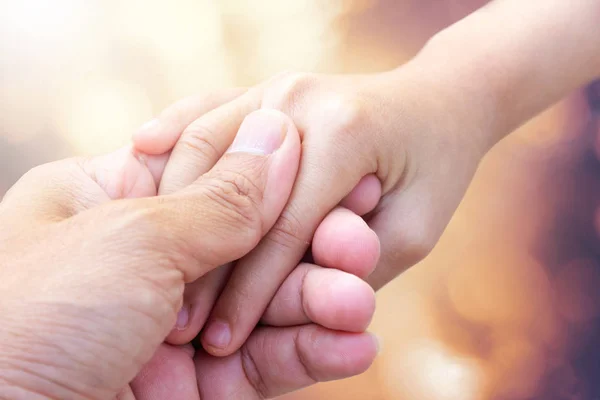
<point>394,148</point>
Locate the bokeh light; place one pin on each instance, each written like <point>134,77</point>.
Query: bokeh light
<point>101,114</point>
<point>507,306</point>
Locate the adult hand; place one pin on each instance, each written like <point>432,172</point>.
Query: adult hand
<point>91,287</point>
<point>332,306</point>
<point>310,333</point>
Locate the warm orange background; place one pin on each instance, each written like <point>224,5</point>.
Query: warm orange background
<point>507,305</point>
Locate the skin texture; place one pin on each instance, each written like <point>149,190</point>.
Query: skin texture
<point>93,273</point>
<point>404,127</point>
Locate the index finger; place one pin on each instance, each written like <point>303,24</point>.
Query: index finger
<point>159,135</point>
<point>204,141</point>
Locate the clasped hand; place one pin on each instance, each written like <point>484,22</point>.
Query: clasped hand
<point>94,268</point>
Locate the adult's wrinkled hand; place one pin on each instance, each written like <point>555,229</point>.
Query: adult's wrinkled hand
<point>92,285</point>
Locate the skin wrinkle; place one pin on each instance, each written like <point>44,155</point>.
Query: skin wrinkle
<point>301,357</point>
<point>303,299</point>
<point>31,372</point>
<point>286,231</point>
<point>196,143</point>
<point>65,351</point>
<point>252,373</point>
<point>16,384</point>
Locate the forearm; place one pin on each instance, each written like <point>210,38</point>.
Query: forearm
<point>511,59</point>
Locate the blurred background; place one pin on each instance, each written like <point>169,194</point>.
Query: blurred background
<point>506,307</point>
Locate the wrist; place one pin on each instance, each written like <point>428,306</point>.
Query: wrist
<point>512,59</point>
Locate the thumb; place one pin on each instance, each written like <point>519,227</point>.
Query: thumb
<point>226,212</point>
<point>58,190</point>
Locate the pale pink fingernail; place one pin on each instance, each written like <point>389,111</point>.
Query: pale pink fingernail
<point>183,318</point>
<point>262,132</point>
<point>217,335</point>
<point>149,129</point>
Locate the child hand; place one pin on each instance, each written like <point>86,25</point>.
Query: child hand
<point>419,146</point>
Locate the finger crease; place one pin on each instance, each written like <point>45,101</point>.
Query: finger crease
<point>302,360</point>
<point>252,373</point>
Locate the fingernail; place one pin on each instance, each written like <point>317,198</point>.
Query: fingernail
<point>378,342</point>
<point>148,129</point>
<point>217,335</point>
<point>183,318</point>
<point>262,132</point>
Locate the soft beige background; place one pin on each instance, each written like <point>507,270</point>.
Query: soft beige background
<point>506,307</point>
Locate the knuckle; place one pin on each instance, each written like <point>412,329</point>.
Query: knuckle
<point>350,117</point>
<point>287,231</point>
<point>238,200</point>
<point>196,140</point>
<point>291,89</point>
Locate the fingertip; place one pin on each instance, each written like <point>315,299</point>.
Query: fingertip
<point>328,297</point>
<point>145,134</point>
<point>121,174</point>
<point>188,326</point>
<point>160,134</point>
<point>338,300</point>
<point>155,163</point>
<point>153,137</point>
<point>170,374</point>
<point>344,241</point>
<point>199,299</point>
<point>365,196</point>
<point>336,355</point>
<point>216,338</point>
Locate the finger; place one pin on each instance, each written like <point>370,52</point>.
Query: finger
<point>198,148</point>
<point>61,189</point>
<point>198,299</point>
<point>189,160</point>
<point>170,374</point>
<point>204,141</point>
<point>160,134</point>
<point>225,213</point>
<point>276,361</point>
<point>364,197</point>
<point>403,222</point>
<point>331,298</point>
<point>256,278</point>
<point>126,173</point>
<point>344,241</point>
<point>126,394</point>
